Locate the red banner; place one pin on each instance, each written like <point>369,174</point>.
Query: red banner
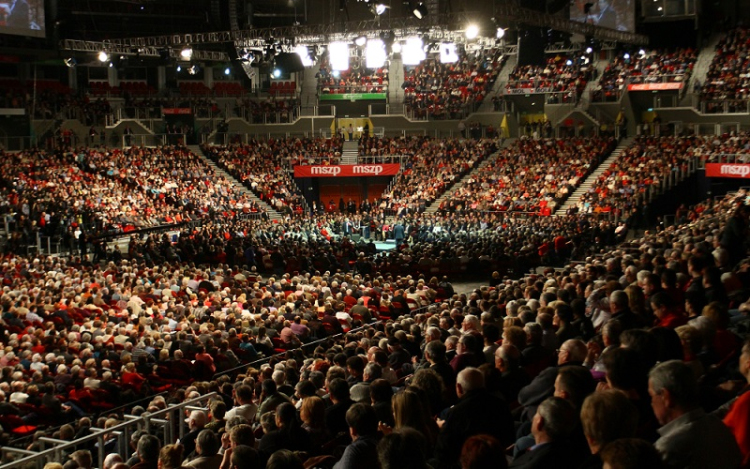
<point>346,170</point>
<point>177,110</point>
<point>655,86</point>
<point>728,170</point>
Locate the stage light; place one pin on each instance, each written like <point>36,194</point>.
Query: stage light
<point>420,11</point>
<point>626,56</point>
<point>71,62</point>
<point>396,47</point>
<point>304,55</point>
<point>375,54</point>
<point>472,31</point>
<point>227,71</point>
<point>568,62</point>
<point>379,9</point>
<point>448,53</point>
<point>179,68</point>
<point>360,41</point>
<point>336,74</point>
<point>193,70</point>
<point>276,73</point>
<point>413,52</point>
<point>103,56</point>
<point>338,53</point>
<point>500,33</point>
<point>642,53</point>
<point>111,65</point>
<point>589,50</point>
<point>186,53</point>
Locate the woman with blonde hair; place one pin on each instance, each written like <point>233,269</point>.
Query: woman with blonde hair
<point>637,303</point>
<point>410,410</point>
<point>170,457</point>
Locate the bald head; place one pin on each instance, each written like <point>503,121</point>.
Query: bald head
<point>469,379</point>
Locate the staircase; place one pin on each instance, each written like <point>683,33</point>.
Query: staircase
<point>499,85</point>
<point>309,87</point>
<point>272,213</point>
<point>700,69</point>
<point>395,78</point>
<point>433,207</point>
<point>583,102</point>
<point>350,152</point>
<point>589,182</point>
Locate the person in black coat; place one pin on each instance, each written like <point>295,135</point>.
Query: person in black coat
<point>477,412</point>
<point>551,428</point>
<point>335,416</point>
<point>290,434</point>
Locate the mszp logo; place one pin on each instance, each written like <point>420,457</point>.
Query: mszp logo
<point>325,170</point>
<point>369,169</point>
<point>741,170</point>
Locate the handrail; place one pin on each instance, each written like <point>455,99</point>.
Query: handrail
<point>170,414</point>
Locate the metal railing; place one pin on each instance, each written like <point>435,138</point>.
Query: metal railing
<point>169,422</point>
<point>152,140</point>
<point>361,88</point>
<point>662,8</point>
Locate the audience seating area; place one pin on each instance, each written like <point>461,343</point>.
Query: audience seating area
<point>361,80</point>
<point>561,74</point>
<point>655,66</point>
<point>728,78</point>
<point>532,176</point>
<point>625,186</point>
<point>449,91</point>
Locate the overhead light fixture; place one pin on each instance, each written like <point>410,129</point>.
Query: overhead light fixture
<point>338,54</point>
<point>227,71</point>
<point>186,53</point>
<point>179,68</point>
<point>360,41</point>
<point>420,10</point>
<point>103,56</point>
<point>70,62</point>
<point>336,74</point>
<point>568,62</point>
<point>375,54</point>
<point>642,53</point>
<point>276,73</point>
<point>304,55</point>
<point>500,33</point>
<point>589,50</point>
<point>396,47</point>
<point>448,53</point>
<point>193,70</point>
<point>626,56</point>
<point>472,31</point>
<point>413,51</point>
<point>378,9</point>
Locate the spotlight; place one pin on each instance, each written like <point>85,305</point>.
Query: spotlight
<point>378,9</point>
<point>193,70</point>
<point>227,71</point>
<point>396,47</point>
<point>500,33</point>
<point>304,55</point>
<point>186,53</point>
<point>375,54</point>
<point>420,11</point>
<point>336,74</point>
<point>642,53</point>
<point>472,31</point>
<point>413,52</point>
<point>360,41</point>
<point>568,62</point>
<point>338,55</point>
<point>179,68</point>
<point>103,56</point>
<point>448,53</point>
<point>111,65</point>
<point>276,73</point>
<point>71,62</point>
<point>589,50</point>
<point>626,56</point>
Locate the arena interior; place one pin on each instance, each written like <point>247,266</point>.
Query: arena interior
<point>438,234</point>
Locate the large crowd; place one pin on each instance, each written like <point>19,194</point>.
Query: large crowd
<point>359,80</point>
<point>728,78</point>
<point>654,66</point>
<point>628,359</point>
<point>532,176</point>
<point>561,74</point>
<point>624,187</point>
<point>450,90</point>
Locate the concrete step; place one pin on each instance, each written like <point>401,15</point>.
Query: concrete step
<point>433,207</point>
<point>272,213</point>
<point>590,181</point>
